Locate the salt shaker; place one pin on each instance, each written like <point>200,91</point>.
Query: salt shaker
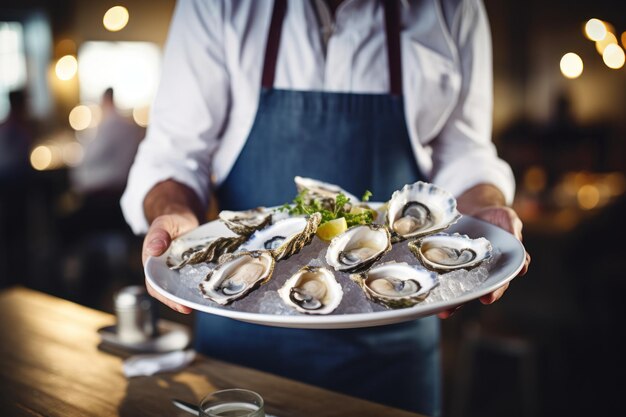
<point>136,314</point>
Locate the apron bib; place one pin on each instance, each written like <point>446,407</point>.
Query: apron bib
<point>359,142</point>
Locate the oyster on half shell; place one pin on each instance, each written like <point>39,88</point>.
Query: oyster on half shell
<point>358,248</point>
<point>419,209</point>
<point>237,275</point>
<point>192,251</point>
<point>246,222</point>
<point>396,284</point>
<point>285,237</point>
<point>446,252</point>
<point>322,191</point>
<point>312,290</point>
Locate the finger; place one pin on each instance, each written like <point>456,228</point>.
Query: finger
<point>156,242</point>
<point>492,297</point>
<point>448,313</point>
<point>517,227</point>
<point>171,304</point>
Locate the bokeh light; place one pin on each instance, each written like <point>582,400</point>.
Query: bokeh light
<point>141,115</point>
<point>571,65</point>
<point>115,19</point>
<point>66,67</point>
<point>595,29</point>
<point>588,196</point>
<point>609,39</point>
<point>623,39</point>
<point>80,117</point>
<point>613,56</point>
<point>616,182</point>
<point>535,179</point>
<point>41,158</point>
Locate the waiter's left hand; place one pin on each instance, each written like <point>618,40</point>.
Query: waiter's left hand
<point>506,218</point>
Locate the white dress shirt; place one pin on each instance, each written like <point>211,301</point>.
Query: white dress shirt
<point>211,77</point>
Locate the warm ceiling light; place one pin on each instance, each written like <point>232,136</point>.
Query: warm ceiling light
<point>41,158</point>
<point>141,115</point>
<point>595,29</point>
<point>571,65</point>
<point>66,67</point>
<point>588,197</point>
<point>115,19</point>
<point>613,56</point>
<point>535,179</point>
<point>80,117</point>
<point>609,39</point>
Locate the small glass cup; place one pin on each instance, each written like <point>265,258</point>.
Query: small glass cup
<point>234,402</point>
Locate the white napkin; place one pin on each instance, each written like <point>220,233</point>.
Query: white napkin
<point>150,364</point>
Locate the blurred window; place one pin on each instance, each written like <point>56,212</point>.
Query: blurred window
<point>12,63</point>
<point>132,69</point>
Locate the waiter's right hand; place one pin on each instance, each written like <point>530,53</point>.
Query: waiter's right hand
<point>160,234</point>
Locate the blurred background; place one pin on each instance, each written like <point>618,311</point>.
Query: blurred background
<point>76,83</point>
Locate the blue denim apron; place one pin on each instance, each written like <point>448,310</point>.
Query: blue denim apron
<point>360,142</point>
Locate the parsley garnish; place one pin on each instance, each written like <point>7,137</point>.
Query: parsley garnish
<point>300,206</point>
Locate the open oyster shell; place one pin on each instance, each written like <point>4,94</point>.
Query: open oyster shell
<point>246,222</point>
<point>446,252</point>
<point>192,251</point>
<point>419,209</point>
<point>322,191</point>
<point>396,284</point>
<point>285,237</point>
<point>239,274</point>
<point>312,290</point>
<point>358,248</point>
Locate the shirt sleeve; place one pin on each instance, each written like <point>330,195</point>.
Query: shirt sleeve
<point>188,111</point>
<point>463,153</point>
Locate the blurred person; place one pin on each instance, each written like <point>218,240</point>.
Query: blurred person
<point>100,178</point>
<point>347,92</point>
<point>15,141</point>
<point>97,242</point>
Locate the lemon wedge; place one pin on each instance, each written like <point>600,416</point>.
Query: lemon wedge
<point>332,228</point>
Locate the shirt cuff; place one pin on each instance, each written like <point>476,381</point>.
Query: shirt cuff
<point>469,172</point>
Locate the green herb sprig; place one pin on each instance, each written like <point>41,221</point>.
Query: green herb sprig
<point>300,206</point>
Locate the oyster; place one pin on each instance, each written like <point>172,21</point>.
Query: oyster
<point>419,209</point>
<point>358,248</point>
<point>312,290</point>
<point>246,222</point>
<point>285,237</point>
<point>396,284</point>
<point>322,191</point>
<point>239,274</point>
<point>185,251</point>
<point>444,252</point>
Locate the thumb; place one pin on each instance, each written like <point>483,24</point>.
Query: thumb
<point>156,242</point>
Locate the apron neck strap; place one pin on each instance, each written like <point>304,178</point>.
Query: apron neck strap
<point>392,30</point>
<point>394,57</point>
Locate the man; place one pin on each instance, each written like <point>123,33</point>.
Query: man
<point>254,93</point>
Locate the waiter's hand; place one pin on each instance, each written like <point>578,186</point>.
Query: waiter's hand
<point>160,234</point>
<point>172,209</point>
<point>475,202</point>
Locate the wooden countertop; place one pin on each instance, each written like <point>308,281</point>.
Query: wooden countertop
<point>50,365</point>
